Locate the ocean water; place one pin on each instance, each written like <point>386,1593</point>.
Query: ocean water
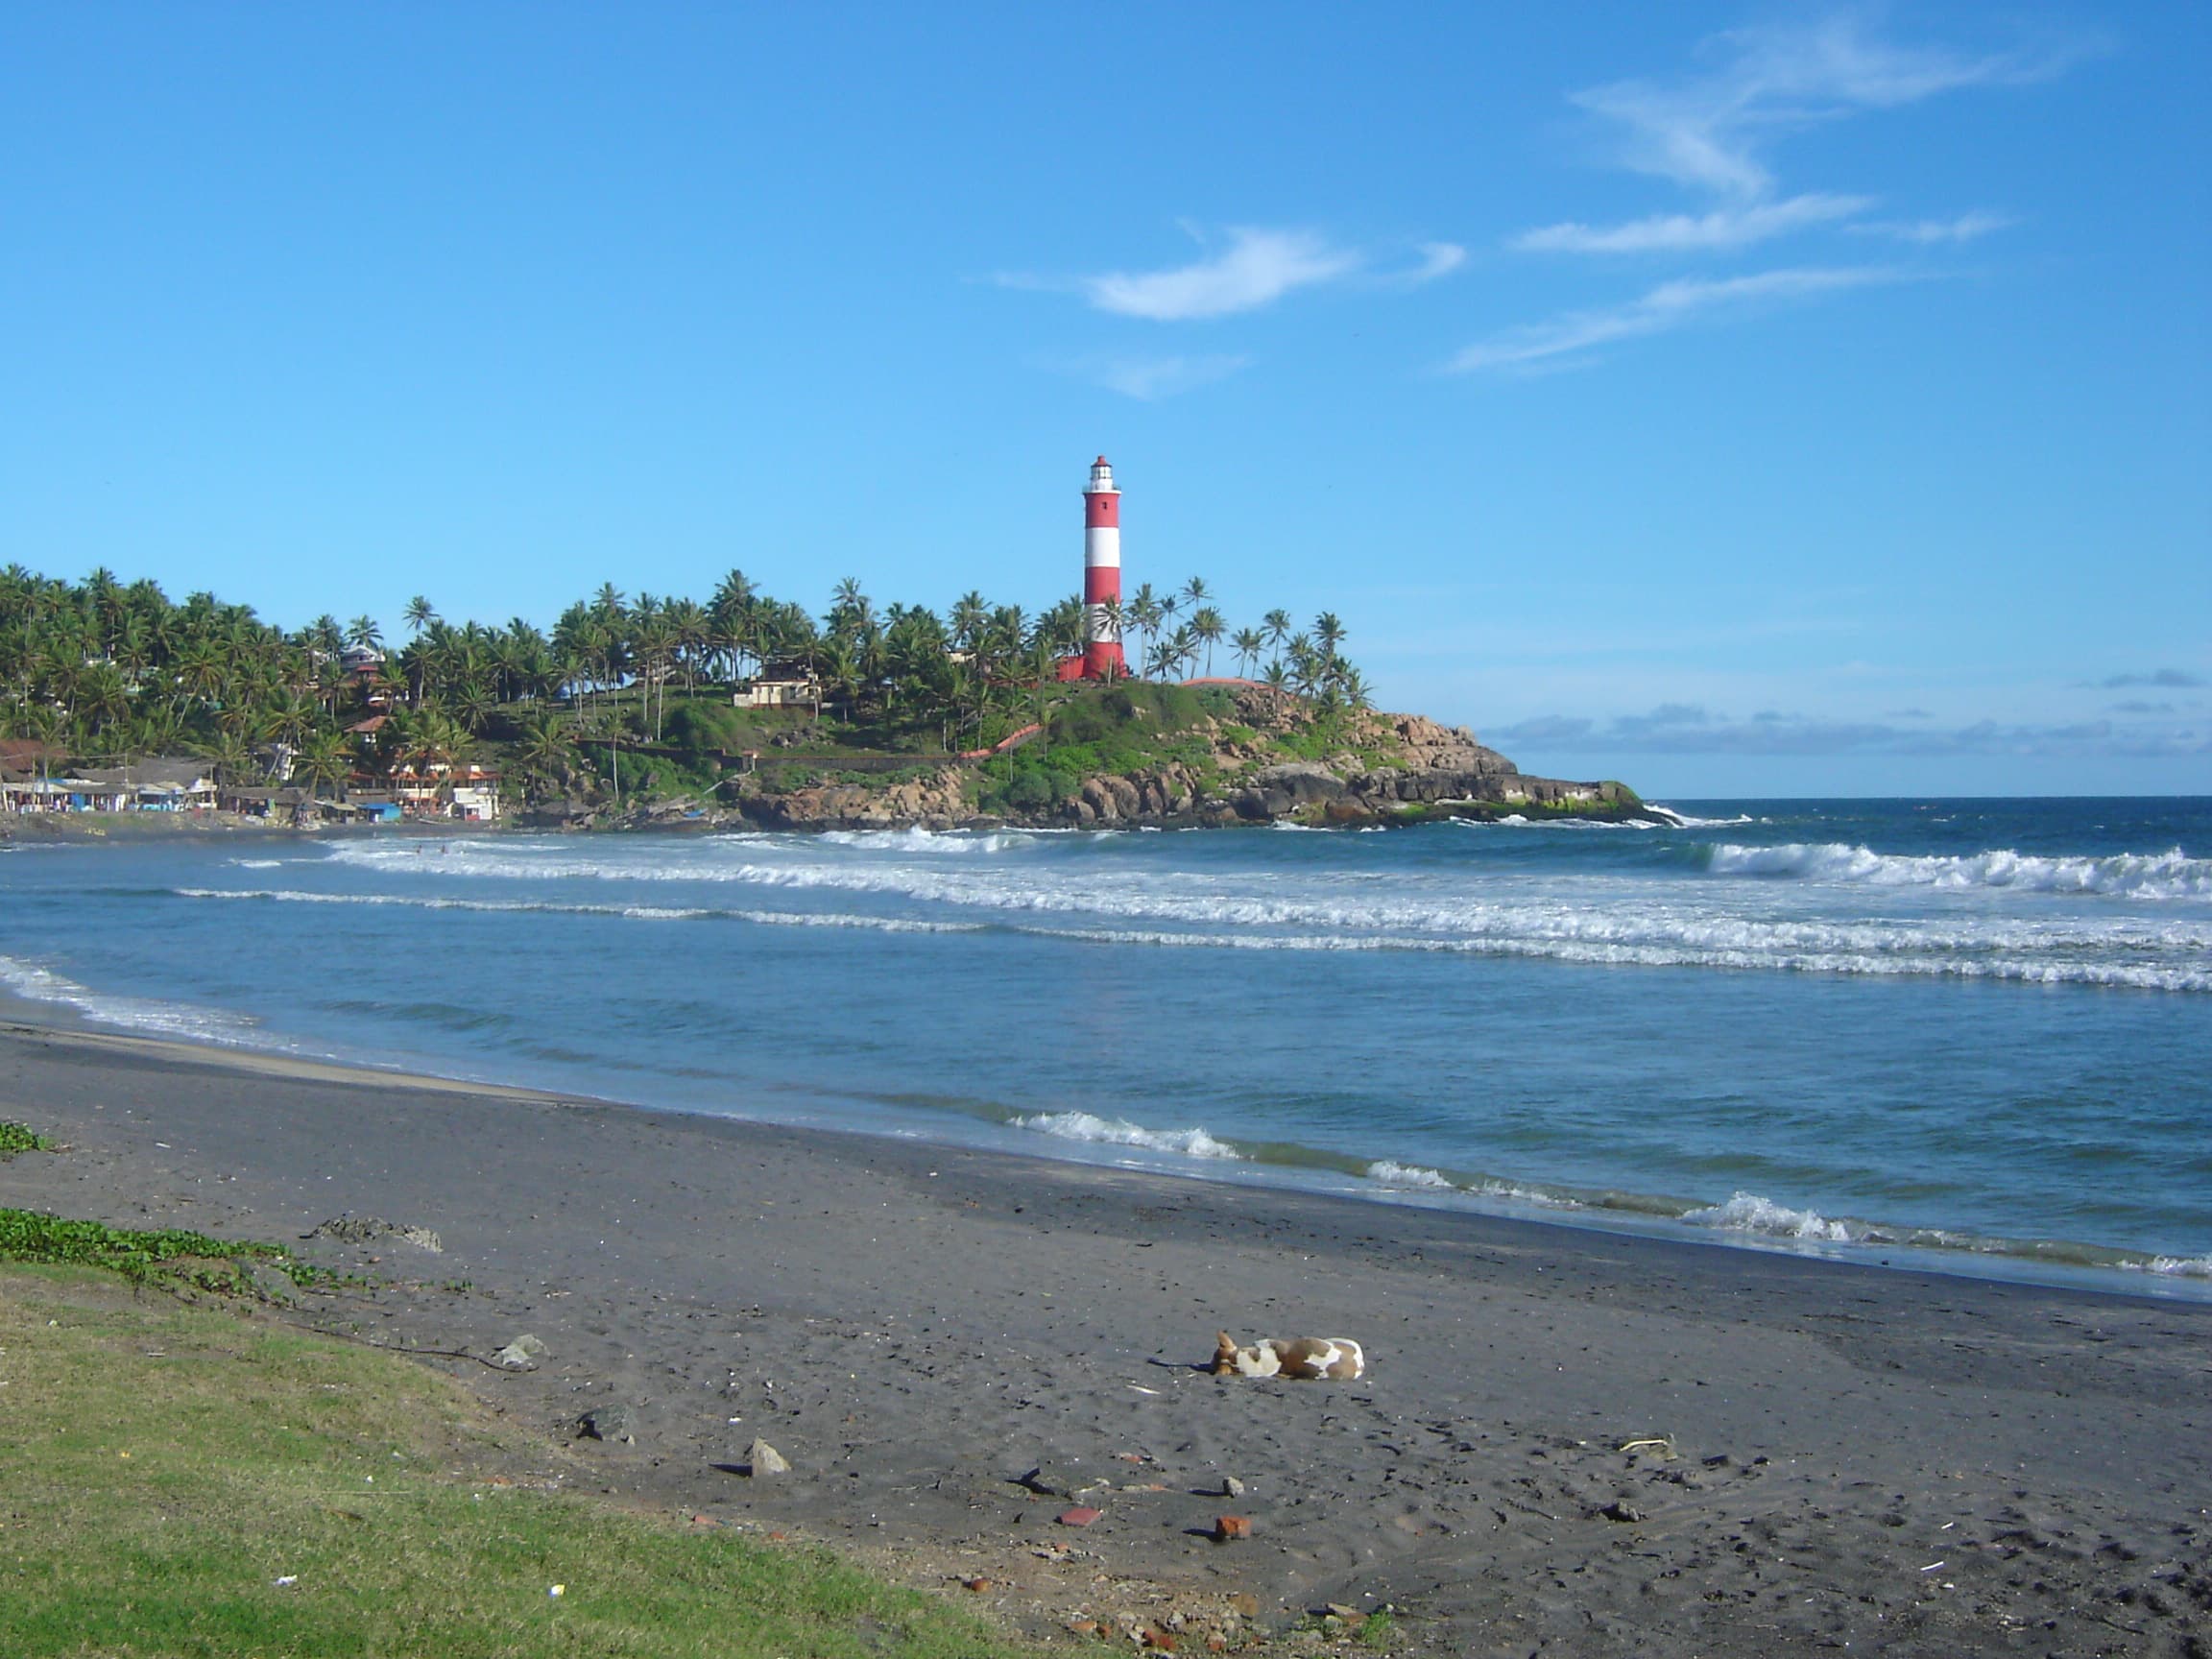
<point>1967,1033</point>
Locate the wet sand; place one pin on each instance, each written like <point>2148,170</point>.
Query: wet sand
<point>1567,1442</point>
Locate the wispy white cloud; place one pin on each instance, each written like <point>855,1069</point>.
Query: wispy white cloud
<point>1926,233</point>
<point>1731,226</point>
<point>1438,259</point>
<point>1669,305</point>
<point>1257,267</point>
<point>1151,379</point>
<point>1710,133</point>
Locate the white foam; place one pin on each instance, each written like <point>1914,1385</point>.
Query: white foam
<point>916,839</point>
<point>1121,1132</point>
<point>1748,1212</point>
<point>1392,1173</point>
<point>1495,1189</point>
<point>179,1020</point>
<point>2178,1266</point>
<point>1601,918</point>
<point>629,912</point>
<point>2146,876</point>
<point>1614,953</point>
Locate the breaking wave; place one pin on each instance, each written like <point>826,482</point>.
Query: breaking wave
<point>1394,1174</point>
<point>2177,1267</point>
<point>148,1015</point>
<point>1121,1132</point>
<point>955,843</point>
<point>1607,920</point>
<point>2146,876</point>
<point>629,912</point>
<point>1748,1212</point>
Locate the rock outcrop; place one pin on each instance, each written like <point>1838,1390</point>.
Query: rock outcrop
<point>938,802</point>
<point>1228,769</point>
<point>1432,770</point>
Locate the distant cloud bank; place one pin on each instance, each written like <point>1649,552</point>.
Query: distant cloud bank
<point>1687,729</point>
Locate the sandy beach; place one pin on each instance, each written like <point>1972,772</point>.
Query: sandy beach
<point>1567,1442</point>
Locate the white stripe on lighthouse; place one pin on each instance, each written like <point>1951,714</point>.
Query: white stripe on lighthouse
<point>1101,547</point>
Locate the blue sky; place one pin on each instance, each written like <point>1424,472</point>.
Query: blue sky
<point>1732,400</point>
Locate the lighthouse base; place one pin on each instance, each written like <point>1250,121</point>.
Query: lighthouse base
<point>1096,662</point>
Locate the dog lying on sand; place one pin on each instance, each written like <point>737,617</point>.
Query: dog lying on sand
<point>1306,1359</point>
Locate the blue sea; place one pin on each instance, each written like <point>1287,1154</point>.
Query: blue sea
<point>1974,1034</point>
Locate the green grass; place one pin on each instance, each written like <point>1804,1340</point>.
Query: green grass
<point>17,1138</point>
<point>164,1469</point>
<point>1378,1629</point>
<point>168,1258</point>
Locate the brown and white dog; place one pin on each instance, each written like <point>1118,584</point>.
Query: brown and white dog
<point>1306,1359</point>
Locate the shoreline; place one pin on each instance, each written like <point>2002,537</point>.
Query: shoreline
<point>917,1326</point>
<point>2067,1264</point>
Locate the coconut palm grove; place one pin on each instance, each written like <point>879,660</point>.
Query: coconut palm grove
<point>625,699</point>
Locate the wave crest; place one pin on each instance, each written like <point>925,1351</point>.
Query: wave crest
<point>1750,1212</point>
<point>1121,1132</point>
<point>2150,875</point>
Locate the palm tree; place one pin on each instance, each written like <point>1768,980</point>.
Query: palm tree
<point>1207,628</point>
<point>419,614</point>
<point>694,632</point>
<point>233,757</point>
<point>546,754</point>
<point>1276,624</point>
<point>1328,632</point>
<point>1146,617</point>
<point>363,631</point>
<point>326,762</point>
<point>1196,590</point>
<point>1114,617</point>
<point>731,612</point>
<point>1248,644</point>
<point>971,616</point>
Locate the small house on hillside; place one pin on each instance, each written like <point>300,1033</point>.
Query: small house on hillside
<point>781,684</point>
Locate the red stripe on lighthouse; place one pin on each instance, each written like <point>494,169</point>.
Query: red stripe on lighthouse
<point>1102,511</point>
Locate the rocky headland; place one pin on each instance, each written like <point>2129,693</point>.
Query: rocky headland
<point>1250,756</point>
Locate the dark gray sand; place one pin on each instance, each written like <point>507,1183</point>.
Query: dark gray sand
<point>1851,1459</point>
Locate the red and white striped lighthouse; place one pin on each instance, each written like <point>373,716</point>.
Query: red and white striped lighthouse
<point>1102,576</point>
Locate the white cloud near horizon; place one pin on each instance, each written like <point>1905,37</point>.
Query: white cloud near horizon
<point>1732,227</point>
<point>1690,728</point>
<point>1256,268</point>
<point>1668,307</point>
